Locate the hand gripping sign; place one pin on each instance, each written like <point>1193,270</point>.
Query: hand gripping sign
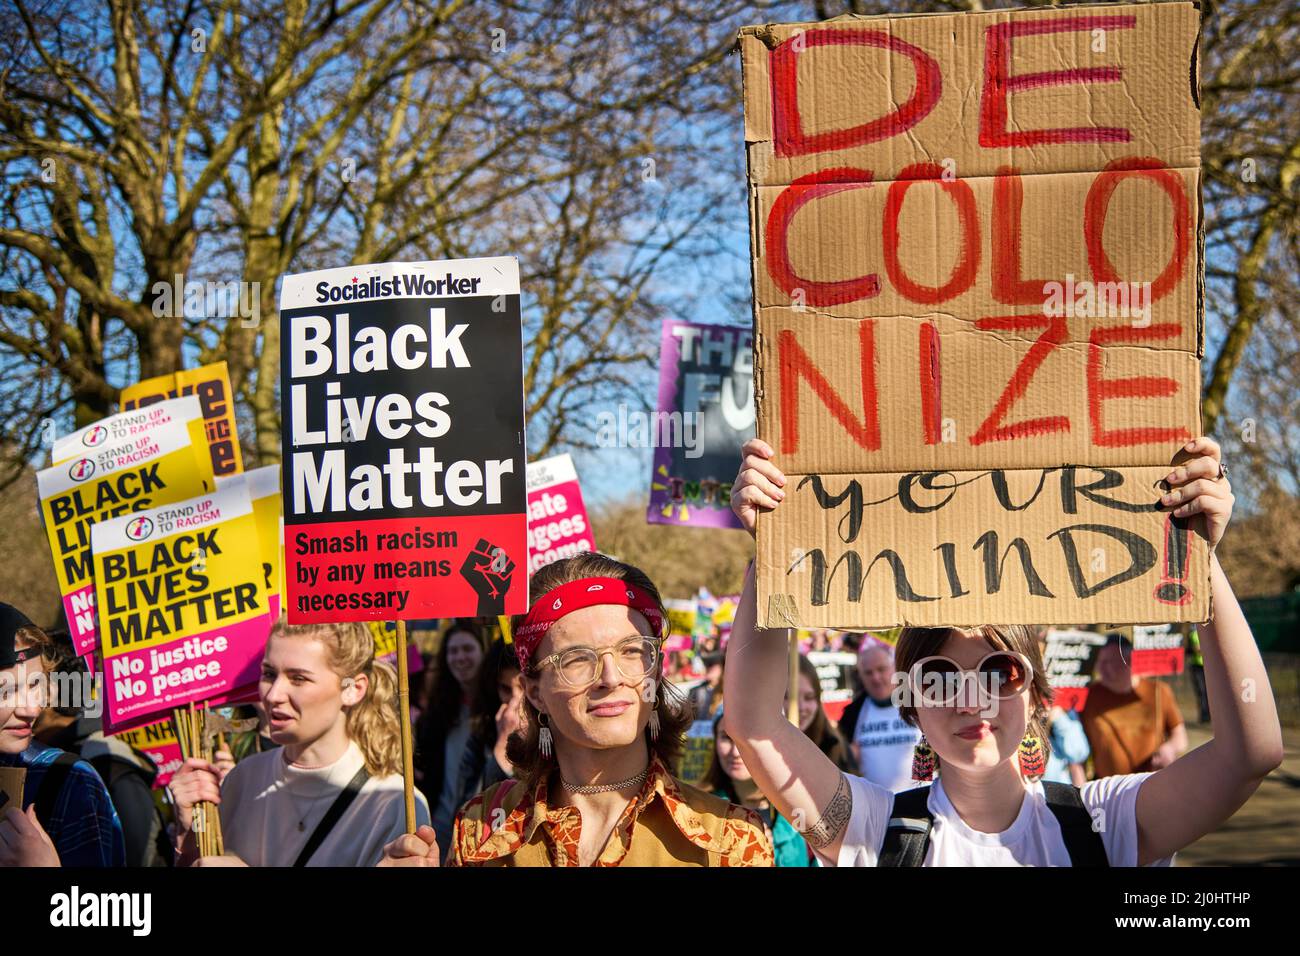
<point>125,463</point>
<point>182,602</point>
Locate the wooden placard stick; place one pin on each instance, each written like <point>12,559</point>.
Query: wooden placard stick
<point>404,717</point>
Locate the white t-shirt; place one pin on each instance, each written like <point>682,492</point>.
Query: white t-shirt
<point>264,798</point>
<point>1033,839</point>
<point>885,743</point>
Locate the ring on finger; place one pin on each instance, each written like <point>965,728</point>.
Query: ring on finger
<point>1223,472</point>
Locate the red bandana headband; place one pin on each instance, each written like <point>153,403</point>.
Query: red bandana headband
<point>574,596</point>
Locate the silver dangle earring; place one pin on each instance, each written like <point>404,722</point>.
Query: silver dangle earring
<point>654,722</point>
<point>544,737</point>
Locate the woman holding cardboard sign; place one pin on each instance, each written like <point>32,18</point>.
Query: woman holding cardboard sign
<point>600,730</point>
<point>987,808</point>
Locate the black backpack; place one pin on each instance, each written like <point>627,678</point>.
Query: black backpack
<point>910,820</point>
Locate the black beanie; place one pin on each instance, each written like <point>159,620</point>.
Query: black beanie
<point>12,621</point>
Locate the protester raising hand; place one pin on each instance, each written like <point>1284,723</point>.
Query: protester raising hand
<point>987,770</point>
<point>1198,487</point>
<point>759,484</point>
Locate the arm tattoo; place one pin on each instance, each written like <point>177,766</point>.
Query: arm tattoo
<point>834,818</point>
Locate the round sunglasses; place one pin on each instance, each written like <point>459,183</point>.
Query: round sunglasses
<point>939,681</point>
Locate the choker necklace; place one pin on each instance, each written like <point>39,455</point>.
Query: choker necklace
<point>603,787</point>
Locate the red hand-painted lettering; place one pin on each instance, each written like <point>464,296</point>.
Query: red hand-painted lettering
<point>999,82</point>
<point>1053,335</point>
<point>787,124</point>
<point>796,365</point>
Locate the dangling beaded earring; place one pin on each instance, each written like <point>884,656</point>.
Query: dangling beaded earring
<point>924,761</point>
<point>1032,761</point>
<point>654,722</point>
<point>544,737</point>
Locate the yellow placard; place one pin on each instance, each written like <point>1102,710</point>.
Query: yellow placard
<point>268,510</point>
<point>182,604</point>
<point>120,468</point>
<point>211,383</point>
<point>385,634</point>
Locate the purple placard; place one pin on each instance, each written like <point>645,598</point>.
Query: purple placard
<point>705,413</point>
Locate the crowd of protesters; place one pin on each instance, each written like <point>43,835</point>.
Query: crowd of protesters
<point>562,746</point>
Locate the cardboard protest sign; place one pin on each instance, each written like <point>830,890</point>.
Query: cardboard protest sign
<point>977,268</point>
<point>1157,651</point>
<point>158,742</point>
<point>834,670</point>
<point>12,781</point>
<point>128,463</point>
<point>706,412</point>
<point>211,383</point>
<point>1071,659</point>
<point>182,601</point>
<point>404,462</point>
<point>558,526</point>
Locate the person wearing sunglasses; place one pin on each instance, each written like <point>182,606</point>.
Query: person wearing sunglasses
<point>980,698</point>
<point>600,730</point>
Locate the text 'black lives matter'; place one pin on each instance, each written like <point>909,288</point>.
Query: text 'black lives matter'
<point>404,463</point>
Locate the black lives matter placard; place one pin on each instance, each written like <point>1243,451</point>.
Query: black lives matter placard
<point>404,467</point>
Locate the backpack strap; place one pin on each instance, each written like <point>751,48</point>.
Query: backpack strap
<point>56,775</point>
<point>336,810</point>
<point>908,835</point>
<point>1082,842</point>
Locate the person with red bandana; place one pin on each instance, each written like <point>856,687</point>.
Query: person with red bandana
<point>600,729</point>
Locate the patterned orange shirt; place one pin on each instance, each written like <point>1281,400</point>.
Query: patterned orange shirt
<point>669,823</point>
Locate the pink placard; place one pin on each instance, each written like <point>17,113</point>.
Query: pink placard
<point>208,667</point>
<point>558,526</point>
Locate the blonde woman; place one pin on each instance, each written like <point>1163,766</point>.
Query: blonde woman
<point>331,794</point>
